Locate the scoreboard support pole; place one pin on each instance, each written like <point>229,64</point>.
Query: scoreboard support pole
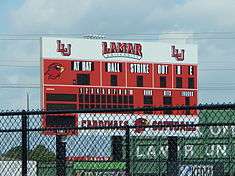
<point>60,156</point>
<point>172,160</point>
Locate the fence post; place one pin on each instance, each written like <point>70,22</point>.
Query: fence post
<point>117,148</point>
<point>24,143</point>
<point>60,156</point>
<point>127,141</point>
<point>172,160</point>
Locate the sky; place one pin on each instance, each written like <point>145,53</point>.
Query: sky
<point>209,23</point>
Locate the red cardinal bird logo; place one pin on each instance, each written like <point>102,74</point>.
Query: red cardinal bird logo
<point>54,70</point>
<point>141,122</point>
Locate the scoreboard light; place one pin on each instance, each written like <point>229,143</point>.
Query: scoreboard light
<point>106,74</point>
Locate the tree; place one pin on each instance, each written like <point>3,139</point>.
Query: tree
<point>39,153</point>
<point>13,153</point>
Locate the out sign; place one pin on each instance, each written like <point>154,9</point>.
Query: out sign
<point>162,69</point>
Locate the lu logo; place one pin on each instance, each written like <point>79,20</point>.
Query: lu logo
<point>61,48</point>
<point>179,56</point>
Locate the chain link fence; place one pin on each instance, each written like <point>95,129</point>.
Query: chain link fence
<point>196,141</point>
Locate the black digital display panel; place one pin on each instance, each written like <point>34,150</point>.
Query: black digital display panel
<point>148,99</point>
<point>131,101</point>
<point>81,98</point>
<point>83,79</point>
<point>191,83</point>
<point>113,80</point>
<point>167,101</point>
<point>162,81</point>
<point>140,81</point>
<point>106,101</point>
<point>179,82</point>
<point>60,121</point>
<point>61,97</point>
<point>61,106</point>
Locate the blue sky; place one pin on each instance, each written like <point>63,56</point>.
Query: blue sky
<point>214,20</point>
<point>5,8</point>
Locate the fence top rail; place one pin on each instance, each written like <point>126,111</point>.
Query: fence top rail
<point>120,128</point>
<point>121,110</point>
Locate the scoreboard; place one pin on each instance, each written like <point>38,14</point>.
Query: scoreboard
<point>106,74</point>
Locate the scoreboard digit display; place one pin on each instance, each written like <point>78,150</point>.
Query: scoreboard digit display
<point>107,74</point>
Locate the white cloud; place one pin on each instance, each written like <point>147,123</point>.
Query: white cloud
<point>35,16</point>
<point>198,15</point>
<point>123,16</point>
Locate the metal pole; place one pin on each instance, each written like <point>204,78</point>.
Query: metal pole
<point>117,148</point>
<point>27,102</point>
<point>127,136</point>
<point>60,156</point>
<point>172,164</point>
<point>24,143</point>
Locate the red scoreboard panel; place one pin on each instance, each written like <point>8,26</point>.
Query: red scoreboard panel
<point>89,74</point>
